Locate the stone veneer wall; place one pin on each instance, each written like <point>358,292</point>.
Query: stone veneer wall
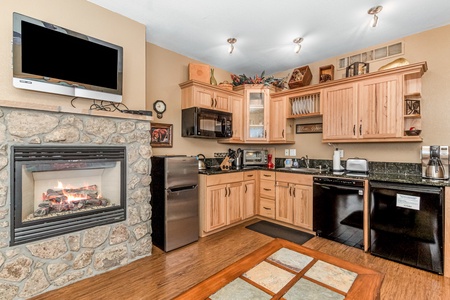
<point>31,269</point>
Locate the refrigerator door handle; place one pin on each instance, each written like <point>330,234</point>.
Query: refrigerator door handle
<point>182,188</point>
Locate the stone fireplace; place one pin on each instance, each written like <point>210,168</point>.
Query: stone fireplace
<point>74,195</point>
<point>57,190</point>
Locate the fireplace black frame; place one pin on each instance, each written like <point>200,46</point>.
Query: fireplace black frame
<point>44,228</point>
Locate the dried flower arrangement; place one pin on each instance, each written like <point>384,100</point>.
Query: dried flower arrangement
<point>243,79</point>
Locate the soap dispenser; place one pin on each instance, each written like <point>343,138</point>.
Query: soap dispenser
<point>295,163</point>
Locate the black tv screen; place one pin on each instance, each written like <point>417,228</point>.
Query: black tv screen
<point>53,59</point>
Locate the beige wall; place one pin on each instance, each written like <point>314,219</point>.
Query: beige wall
<point>167,69</point>
<point>432,46</point>
<point>87,18</point>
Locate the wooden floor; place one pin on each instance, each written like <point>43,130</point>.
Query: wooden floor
<point>165,275</point>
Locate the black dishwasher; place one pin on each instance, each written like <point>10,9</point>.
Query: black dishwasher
<point>407,225</point>
<point>338,205</point>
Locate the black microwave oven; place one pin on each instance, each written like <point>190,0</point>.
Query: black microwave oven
<point>206,123</point>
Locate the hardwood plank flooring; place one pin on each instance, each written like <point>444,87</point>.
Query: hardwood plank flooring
<point>166,275</point>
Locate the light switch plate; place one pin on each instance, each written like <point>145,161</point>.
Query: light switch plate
<point>286,152</point>
<point>341,153</point>
<point>292,152</point>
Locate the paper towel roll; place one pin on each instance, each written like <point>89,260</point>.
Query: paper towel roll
<point>337,161</point>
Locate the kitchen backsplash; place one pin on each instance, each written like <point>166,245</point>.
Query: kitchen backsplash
<point>374,167</point>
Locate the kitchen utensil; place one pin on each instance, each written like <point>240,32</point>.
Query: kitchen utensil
<point>201,162</point>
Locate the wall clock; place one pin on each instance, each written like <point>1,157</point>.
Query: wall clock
<point>160,107</point>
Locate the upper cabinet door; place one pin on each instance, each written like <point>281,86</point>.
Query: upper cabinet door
<point>380,108</point>
<point>281,128</point>
<point>238,119</point>
<point>257,101</point>
<point>340,112</point>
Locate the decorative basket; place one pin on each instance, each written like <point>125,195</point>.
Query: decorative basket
<point>300,77</point>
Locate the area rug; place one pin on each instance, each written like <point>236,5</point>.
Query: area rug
<point>285,270</point>
<point>278,231</point>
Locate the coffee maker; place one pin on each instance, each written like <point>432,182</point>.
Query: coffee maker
<point>434,162</point>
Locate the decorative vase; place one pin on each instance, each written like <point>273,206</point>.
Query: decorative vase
<point>212,80</point>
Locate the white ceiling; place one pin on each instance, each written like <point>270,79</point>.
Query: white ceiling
<point>265,29</point>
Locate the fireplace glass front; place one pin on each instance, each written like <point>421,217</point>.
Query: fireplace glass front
<point>57,190</point>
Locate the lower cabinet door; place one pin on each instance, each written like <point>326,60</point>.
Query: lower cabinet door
<point>216,207</point>
<point>303,210</point>
<point>283,206</point>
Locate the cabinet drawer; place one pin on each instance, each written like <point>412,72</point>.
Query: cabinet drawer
<point>267,208</point>
<point>224,178</point>
<point>248,175</point>
<point>267,189</point>
<point>266,175</point>
<point>302,179</point>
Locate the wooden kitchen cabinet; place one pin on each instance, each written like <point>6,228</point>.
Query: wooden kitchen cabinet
<point>237,109</point>
<point>234,199</point>
<point>216,207</point>
<point>248,205</point>
<point>294,199</point>
<point>372,108</point>
<point>281,128</point>
<point>200,94</point>
<point>267,194</point>
<point>221,201</point>
<point>366,110</point>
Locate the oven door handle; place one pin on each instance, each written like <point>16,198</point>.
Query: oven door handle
<point>339,187</point>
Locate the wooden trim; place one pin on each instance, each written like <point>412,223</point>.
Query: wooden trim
<point>366,285</point>
<point>420,67</point>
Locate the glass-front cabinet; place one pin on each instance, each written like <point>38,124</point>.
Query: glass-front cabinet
<point>257,106</point>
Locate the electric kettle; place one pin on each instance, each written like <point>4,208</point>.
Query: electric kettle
<point>201,162</point>
<point>435,168</point>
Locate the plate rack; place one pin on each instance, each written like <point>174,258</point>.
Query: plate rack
<point>305,105</point>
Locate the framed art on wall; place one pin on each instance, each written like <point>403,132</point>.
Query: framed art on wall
<point>161,135</point>
<point>308,128</point>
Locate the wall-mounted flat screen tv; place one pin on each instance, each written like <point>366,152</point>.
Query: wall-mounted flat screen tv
<point>53,59</point>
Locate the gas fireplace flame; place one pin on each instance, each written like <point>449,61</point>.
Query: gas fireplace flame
<point>65,198</point>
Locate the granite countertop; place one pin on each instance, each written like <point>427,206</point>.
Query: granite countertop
<point>387,177</point>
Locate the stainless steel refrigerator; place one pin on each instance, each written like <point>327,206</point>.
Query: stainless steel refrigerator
<point>174,201</point>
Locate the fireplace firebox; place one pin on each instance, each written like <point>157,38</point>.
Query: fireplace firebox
<point>58,190</point>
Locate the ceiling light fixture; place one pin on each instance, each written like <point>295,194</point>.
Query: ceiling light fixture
<point>297,41</point>
<point>374,11</point>
<point>231,41</point>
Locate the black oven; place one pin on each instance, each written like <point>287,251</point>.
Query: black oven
<point>206,123</point>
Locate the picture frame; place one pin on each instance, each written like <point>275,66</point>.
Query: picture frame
<point>308,128</point>
<point>161,135</point>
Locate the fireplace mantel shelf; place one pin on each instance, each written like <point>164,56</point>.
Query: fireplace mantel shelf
<point>70,110</point>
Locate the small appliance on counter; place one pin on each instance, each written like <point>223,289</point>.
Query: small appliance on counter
<point>357,167</point>
<point>254,158</point>
<point>434,162</point>
<point>201,162</point>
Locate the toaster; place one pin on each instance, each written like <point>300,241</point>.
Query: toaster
<point>356,164</point>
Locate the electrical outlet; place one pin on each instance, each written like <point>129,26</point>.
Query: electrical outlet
<point>286,152</point>
<point>292,152</point>
<point>341,153</point>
